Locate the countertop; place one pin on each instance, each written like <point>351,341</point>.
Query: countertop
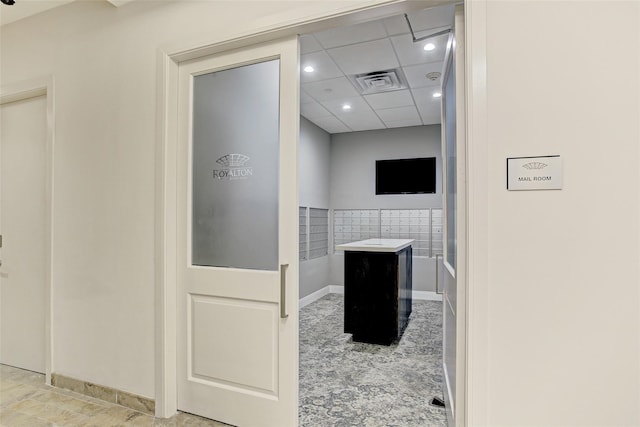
<point>376,245</point>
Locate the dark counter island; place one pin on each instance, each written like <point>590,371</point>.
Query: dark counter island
<point>377,289</point>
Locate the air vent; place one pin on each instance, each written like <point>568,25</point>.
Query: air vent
<point>379,81</point>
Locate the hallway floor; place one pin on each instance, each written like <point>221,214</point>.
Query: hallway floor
<point>345,383</point>
<point>25,401</point>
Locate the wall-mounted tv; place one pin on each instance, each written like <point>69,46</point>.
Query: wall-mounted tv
<point>406,176</point>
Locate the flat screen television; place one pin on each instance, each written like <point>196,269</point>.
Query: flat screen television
<point>406,176</point>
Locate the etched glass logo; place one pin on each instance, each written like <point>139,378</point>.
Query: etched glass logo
<point>233,167</point>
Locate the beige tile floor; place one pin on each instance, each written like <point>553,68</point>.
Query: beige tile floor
<point>26,401</point>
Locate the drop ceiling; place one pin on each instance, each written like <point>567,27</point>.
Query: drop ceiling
<point>339,54</point>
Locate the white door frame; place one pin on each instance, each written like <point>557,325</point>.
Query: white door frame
<point>456,403</point>
<point>42,86</point>
<point>168,59</point>
<point>477,222</point>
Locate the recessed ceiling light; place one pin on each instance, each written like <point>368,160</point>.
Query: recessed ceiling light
<point>437,94</point>
<point>309,69</point>
<point>429,46</point>
<point>346,107</point>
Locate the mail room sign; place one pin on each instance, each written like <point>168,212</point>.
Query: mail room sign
<point>534,173</point>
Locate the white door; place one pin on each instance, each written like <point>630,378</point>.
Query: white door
<point>22,225</point>
<point>237,301</point>
<point>454,155</point>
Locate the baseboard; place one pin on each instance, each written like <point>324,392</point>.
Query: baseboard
<point>107,394</point>
<point>313,297</point>
<point>337,289</point>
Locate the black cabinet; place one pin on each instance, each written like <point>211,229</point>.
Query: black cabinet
<point>377,295</point>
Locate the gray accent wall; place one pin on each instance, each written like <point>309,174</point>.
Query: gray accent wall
<point>353,166</point>
<point>353,177</point>
<point>315,159</point>
<point>338,172</point>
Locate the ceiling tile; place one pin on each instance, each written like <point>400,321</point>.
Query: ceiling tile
<point>420,20</point>
<point>365,57</point>
<point>433,119</point>
<point>330,89</point>
<point>424,96</point>
<point>397,98</point>
<point>331,125</point>
<point>313,110</point>
<point>397,114</point>
<point>304,98</point>
<point>362,121</point>
<point>410,53</point>
<point>428,106</point>
<point>404,123</point>
<point>416,74</point>
<point>396,25</point>
<point>358,105</point>
<point>324,67</point>
<point>365,48</point>
<point>352,34</point>
<point>428,19</point>
<point>430,116</point>
<point>309,44</point>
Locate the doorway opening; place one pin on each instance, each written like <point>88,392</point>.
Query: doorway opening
<point>371,92</point>
<point>169,72</point>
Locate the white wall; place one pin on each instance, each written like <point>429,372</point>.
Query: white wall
<point>314,152</point>
<point>554,288</point>
<point>554,305</point>
<point>103,60</point>
<point>353,182</point>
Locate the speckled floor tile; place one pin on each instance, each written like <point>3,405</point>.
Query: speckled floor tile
<point>345,383</point>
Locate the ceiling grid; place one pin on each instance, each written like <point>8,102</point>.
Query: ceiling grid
<point>338,55</point>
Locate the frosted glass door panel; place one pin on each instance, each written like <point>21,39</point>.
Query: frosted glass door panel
<point>450,149</point>
<point>235,167</point>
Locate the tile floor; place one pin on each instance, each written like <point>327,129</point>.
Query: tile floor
<point>25,401</point>
<point>345,383</point>
<point>342,383</point>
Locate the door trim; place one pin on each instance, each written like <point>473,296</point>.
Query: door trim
<point>477,225</point>
<point>42,86</point>
<point>168,59</point>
